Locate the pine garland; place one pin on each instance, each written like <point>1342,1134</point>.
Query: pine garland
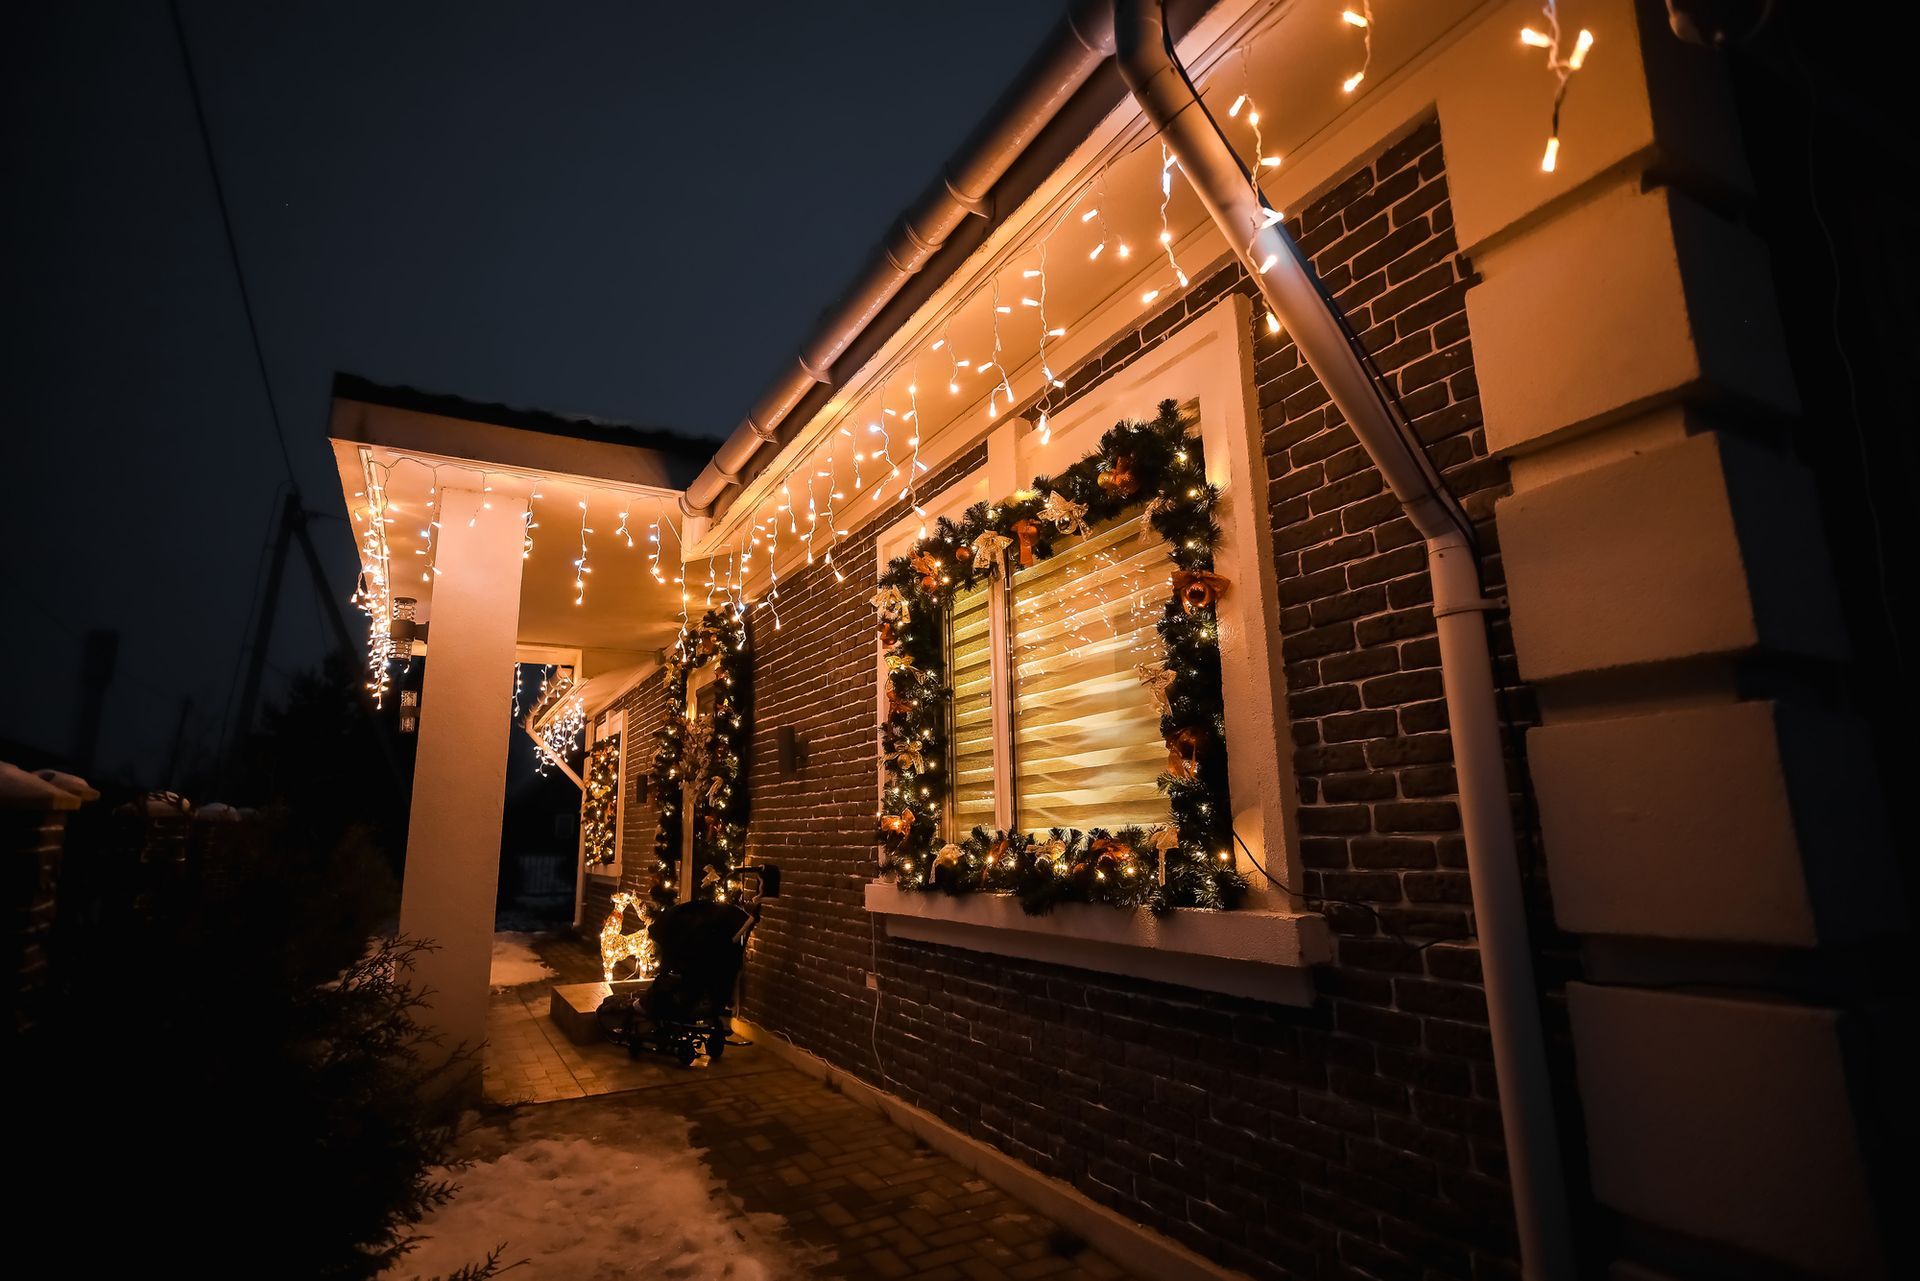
<point>713,752</point>
<point>1183,864</point>
<point>600,801</point>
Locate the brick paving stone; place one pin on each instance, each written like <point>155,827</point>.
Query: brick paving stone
<point>879,1203</point>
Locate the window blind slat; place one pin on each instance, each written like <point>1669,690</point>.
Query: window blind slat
<point>970,666</point>
<point>1087,745</point>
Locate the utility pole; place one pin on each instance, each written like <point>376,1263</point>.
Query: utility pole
<point>291,517</point>
<point>336,621</point>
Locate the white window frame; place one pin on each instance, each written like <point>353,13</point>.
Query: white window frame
<point>1209,361</point>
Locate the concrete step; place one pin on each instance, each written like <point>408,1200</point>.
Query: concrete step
<point>572,1006</point>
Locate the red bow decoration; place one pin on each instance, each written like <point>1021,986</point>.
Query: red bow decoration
<point>928,568</point>
<point>897,824</point>
<point>1196,588</point>
<point>1183,752</point>
<point>1119,479</point>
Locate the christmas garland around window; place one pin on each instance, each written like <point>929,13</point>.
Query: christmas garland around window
<point>709,751</point>
<point>1184,863</point>
<point>600,802</point>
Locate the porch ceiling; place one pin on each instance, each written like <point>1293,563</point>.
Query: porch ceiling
<point>428,471</point>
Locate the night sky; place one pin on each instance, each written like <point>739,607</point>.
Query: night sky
<point>627,210</point>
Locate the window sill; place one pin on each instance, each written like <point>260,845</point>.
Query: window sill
<point>1254,951</point>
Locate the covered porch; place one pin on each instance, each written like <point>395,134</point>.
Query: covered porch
<point>490,538</point>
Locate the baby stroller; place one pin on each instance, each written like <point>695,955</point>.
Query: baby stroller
<point>689,1005</point>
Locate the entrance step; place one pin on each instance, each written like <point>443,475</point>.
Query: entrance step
<point>571,1006</point>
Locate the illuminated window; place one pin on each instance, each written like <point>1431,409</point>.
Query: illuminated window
<point>970,666</point>
<point>1087,750</point>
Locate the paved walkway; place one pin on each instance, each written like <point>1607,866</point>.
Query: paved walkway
<point>851,1185</point>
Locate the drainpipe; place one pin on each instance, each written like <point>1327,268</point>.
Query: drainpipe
<point>1153,73</point>
<point>1078,46</point>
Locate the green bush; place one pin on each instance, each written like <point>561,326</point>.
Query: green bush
<point>232,1080</point>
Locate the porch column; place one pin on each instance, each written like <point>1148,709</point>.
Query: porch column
<point>460,770</point>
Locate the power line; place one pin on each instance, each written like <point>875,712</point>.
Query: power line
<point>233,245</point>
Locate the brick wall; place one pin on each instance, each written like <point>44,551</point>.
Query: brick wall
<point>1359,1134</point>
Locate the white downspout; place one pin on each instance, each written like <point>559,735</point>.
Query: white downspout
<point>1153,73</point>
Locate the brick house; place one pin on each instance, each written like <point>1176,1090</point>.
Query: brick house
<point>1608,369</point>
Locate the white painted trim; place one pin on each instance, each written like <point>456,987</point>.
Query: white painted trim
<point>547,656</point>
<point>1248,952</point>
<point>1144,1253</point>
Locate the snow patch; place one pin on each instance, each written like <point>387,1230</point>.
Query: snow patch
<point>515,962</point>
<point>586,1208</point>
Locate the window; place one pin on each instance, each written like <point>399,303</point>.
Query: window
<point>1046,703</point>
<point>1050,723</point>
<point>970,666</point>
<point>603,795</point>
<point>1086,733</point>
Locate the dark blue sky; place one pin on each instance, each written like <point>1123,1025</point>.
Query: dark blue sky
<point>631,210</point>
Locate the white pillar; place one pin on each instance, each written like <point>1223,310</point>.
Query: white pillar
<point>460,770</point>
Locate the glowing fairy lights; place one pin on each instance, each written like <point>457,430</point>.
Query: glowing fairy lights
<point>1363,19</point>
<point>1244,102</point>
<point>557,719</point>
<point>373,591</point>
<point>1002,319</point>
<point>1562,68</point>
<point>580,567</point>
<point>381,520</point>
<point>618,944</point>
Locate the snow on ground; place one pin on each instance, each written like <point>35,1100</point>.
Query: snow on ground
<point>588,1207</point>
<point>515,962</point>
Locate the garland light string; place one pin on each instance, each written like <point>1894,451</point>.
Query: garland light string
<point>1364,21</point>
<point>1562,68</point>
<point>580,567</point>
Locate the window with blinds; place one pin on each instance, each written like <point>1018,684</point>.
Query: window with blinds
<point>970,667</point>
<point>1087,750</point>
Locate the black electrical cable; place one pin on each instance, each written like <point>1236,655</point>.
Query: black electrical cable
<point>1413,948</point>
<point>233,245</point>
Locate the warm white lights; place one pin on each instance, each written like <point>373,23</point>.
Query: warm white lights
<point>1562,68</point>
<point>1363,22</point>
<point>1581,44</point>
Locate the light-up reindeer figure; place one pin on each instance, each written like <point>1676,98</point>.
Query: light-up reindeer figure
<point>617,945</point>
